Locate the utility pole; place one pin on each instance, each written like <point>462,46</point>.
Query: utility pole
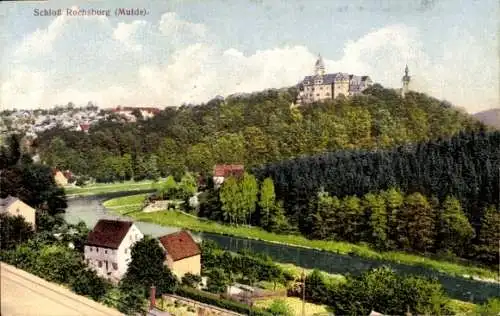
<point>303,292</point>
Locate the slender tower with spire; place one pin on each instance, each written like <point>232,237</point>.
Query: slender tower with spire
<point>406,82</point>
<point>319,67</point>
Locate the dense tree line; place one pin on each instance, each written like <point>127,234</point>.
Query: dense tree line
<point>31,182</point>
<point>386,220</point>
<point>466,166</point>
<point>392,220</point>
<point>254,129</point>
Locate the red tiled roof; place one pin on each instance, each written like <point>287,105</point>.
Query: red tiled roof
<point>85,127</point>
<point>228,170</point>
<point>180,245</point>
<point>108,233</point>
<point>68,174</point>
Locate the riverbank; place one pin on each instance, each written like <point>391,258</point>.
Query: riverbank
<point>131,206</point>
<point>101,188</point>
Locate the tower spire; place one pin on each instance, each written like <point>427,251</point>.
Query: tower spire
<point>406,82</point>
<point>319,67</point>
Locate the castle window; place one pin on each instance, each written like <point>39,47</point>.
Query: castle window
<point>317,94</point>
<point>312,88</point>
<point>321,88</point>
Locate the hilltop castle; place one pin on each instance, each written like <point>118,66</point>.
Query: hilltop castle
<point>321,86</point>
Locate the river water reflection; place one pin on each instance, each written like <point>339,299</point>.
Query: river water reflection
<point>90,210</point>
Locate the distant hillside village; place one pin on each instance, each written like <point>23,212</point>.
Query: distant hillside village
<point>32,122</point>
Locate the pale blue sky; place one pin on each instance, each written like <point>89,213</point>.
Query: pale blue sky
<point>190,51</point>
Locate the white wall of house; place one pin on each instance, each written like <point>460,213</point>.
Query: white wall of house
<point>218,180</point>
<point>103,260</point>
<point>124,257</point>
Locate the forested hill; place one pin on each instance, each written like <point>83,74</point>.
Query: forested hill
<point>467,167</point>
<point>252,129</point>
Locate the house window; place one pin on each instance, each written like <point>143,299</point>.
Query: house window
<point>115,266</point>
<point>90,249</point>
<point>126,250</point>
<point>97,249</point>
<point>87,261</point>
<point>321,88</point>
<point>317,94</point>
<point>107,268</point>
<point>99,264</point>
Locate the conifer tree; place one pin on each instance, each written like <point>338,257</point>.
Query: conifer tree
<point>455,231</point>
<point>375,207</point>
<point>489,236</point>
<point>416,224</point>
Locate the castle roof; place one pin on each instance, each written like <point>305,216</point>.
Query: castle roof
<point>331,78</point>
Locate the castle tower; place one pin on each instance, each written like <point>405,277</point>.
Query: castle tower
<point>319,67</point>
<point>406,82</point>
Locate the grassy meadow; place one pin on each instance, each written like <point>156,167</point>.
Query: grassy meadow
<point>100,188</point>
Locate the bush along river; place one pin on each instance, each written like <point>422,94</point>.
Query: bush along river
<point>90,209</point>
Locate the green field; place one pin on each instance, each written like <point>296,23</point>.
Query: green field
<point>126,205</point>
<point>99,188</point>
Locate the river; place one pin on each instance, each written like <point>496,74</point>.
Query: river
<point>90,209</point>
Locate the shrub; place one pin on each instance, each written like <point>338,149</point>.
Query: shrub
<point>387,292</point>
<point>280,308</point>
<point>191,280</point>
<point>215,300</point>
<point>89,284</point>
<point>15,230</point>
<point>491,307</point>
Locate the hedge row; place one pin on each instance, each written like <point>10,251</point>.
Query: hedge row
<point>212,299</point>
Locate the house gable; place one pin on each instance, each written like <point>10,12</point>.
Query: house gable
<point>180,245</point>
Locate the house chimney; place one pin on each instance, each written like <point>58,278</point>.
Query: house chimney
<point>152,297</point>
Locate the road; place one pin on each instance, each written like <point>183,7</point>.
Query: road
<point>24,294</point>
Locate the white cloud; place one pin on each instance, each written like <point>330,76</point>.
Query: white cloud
<point>24,87</point>
<point>171,25</point>
<point>40,41</point>
<point>126,33</point>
